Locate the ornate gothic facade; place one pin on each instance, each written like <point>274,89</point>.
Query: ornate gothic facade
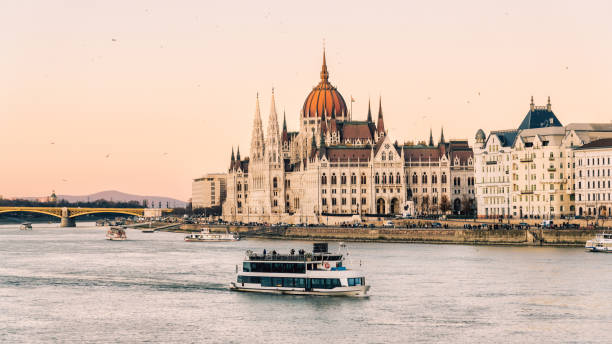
<point>336,165</point>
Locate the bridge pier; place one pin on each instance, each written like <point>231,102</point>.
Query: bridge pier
<point>67,222</point>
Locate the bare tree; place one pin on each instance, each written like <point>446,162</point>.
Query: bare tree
<point>445,205</point>
<point>425,204</point>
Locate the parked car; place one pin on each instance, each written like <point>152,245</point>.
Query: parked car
<point>388,224</point>
<point>436,225</point>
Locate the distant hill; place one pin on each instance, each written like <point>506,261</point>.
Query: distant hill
<point>117,196</point>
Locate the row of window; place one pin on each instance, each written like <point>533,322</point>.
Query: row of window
<point>334,179</point>
<point>600,173</point>
<point>295,268</point>
<point>594,161</point>
<point>342,201</point>
<point>308,283</point>
<point>600,184</point>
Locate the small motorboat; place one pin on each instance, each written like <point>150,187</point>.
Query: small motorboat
<point>205,236</point>
<point>116,233</point>
<point>25,226</point>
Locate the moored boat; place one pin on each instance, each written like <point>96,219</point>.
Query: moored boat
<point>116,233</point>
<point>205,236</point>
<point>601,243</point>
<point>25,226</point>
<point>313,273</point>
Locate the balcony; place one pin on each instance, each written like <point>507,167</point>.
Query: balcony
<point>551,169</point>
<point>492,162</point>
<point>526,192</point>
<point>526,159</point>
<point>552,158</point>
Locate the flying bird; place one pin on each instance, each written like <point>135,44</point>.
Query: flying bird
<point>107,155</point>
<point>52,143</point>
<point>114,40</point>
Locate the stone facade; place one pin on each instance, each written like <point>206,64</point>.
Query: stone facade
<point>530,172</point>
<point>335,167</point>
<point>594,179</point>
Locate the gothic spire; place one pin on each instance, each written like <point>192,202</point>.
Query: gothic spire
<point>284,122</point>
<point>238,154</point>
<point>324,73</point>
<point>369,111</point>
<point>257,137</point>
<point>430,138</point>
<point>380,126</point>
<point>442,135</point>
<point>233,159</point>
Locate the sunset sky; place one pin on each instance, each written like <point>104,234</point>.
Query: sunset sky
<point>144,96</point>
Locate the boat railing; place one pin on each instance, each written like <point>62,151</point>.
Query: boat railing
<point>292,257</point>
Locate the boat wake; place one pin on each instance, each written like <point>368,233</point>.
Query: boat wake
<point>89,281</point>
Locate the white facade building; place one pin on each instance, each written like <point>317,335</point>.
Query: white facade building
<point>209,190</point>
<point>594,179</point>
<point>530,172</point>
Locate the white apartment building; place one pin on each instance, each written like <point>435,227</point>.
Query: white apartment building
<point>209,190</point>
<point>529,172</point>
<point>594,178</point>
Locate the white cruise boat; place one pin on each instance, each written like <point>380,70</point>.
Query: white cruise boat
<point>316,273</point>
<point>601,243</point>
<point>116,234</point>
<point>205,236</point>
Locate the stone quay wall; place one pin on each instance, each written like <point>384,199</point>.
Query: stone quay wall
<point>532,237</point>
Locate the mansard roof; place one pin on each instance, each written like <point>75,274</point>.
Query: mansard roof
<point>344,153</point>
<point>421,152</point>
<point>354,130</point>
<point>601,143</point>
<point>506,137</point>
<point>539,117</point>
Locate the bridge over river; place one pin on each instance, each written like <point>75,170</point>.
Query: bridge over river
<point>67,214</point>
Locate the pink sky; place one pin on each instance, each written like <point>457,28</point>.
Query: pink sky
<point>166,88</point>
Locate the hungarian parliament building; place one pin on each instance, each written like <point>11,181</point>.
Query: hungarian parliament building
<point>336,168</point>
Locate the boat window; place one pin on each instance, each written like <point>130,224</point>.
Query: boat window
<point>325,283</point>
<point>249,279</point>
<point>266,282</point>
<point>277,281</point>
<point>246,267</point>
<point>356,281</point>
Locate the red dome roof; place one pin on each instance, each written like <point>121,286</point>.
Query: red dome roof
<point>324,98</point>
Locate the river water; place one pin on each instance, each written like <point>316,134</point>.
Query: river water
<point>72,285</point>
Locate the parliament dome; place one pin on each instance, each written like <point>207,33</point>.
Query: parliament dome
<point>324,99</point>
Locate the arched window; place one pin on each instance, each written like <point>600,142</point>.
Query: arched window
<point>353,178</point>
<point>415,179</point>
<point>334,181</point>
<point>424,178</point>
<point>458,181</point>
<point>363,178</point>
<point>275,183</point>
<point>239,187</point>
<point>390,181</point>
<point>390,156</point>
<point>343,179</point>
<point>384,180</point>
<point>443,177</point>
<point>377,178</point>
<point>324,179</point>
<point>398,179</point>
<point>434,178</point>
<point>384,156</point>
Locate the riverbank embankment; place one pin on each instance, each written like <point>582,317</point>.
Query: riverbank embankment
<point>515,237</point>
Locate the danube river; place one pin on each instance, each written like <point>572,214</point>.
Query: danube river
<point>72,285</point>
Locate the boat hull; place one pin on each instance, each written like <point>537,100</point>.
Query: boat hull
<point>598,249</point>
<point>210,240</point>
<point>360,291</point>
<point>115,239</point>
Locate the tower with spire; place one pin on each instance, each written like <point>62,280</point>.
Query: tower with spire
<point>257,136</point>
<point>380,124</point>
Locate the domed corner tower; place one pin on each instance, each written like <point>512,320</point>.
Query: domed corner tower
<point>324,102</point>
